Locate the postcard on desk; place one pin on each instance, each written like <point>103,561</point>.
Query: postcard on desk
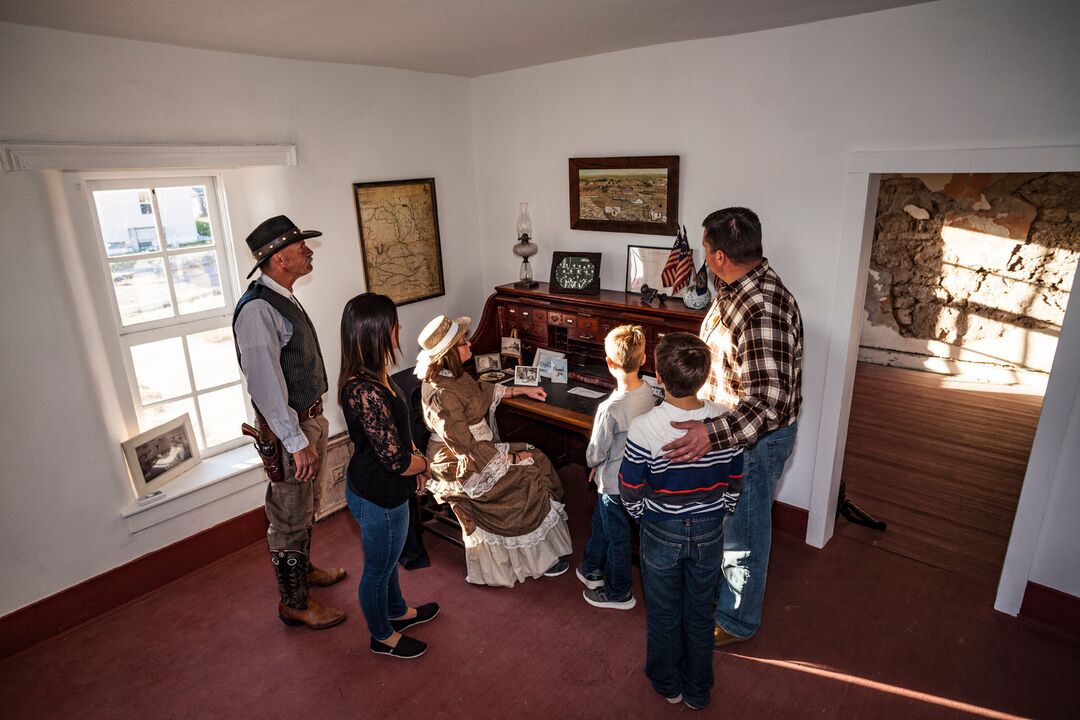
<point>586,392</point>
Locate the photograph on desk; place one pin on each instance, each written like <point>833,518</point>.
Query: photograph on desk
<point>526,375</point>
<point>543,360</point>
<point>559,371</point>
<point>511,347</point>
<point>488,362</point>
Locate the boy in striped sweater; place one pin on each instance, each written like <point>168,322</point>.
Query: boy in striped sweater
<point>682,508</point>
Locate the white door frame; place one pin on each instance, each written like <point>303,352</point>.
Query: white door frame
<point>857,230</point>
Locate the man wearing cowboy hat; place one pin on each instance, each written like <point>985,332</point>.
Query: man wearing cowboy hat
<point>280,357</point>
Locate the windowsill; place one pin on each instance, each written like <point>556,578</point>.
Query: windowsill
<point>212,479</point>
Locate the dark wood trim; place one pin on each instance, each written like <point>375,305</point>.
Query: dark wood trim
<point>790,520</point>
<point>1051,607</point>
<point>60,612</point>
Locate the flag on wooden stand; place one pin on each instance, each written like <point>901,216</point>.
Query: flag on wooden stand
<point>679,267</point>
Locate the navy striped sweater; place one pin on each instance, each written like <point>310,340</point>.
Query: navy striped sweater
<point>657,488</point>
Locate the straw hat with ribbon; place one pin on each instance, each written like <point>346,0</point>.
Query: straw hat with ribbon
<point>438,338</point>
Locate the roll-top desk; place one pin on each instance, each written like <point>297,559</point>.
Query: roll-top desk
<point>575,325</point>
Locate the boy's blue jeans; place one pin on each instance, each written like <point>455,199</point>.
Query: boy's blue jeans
<point>680,566</point>
<point>608,548</point>
<point>383,533</point>
<point>748,535</point>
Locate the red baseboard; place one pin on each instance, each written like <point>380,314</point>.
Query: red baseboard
<point>790,519</point>
<point>1051,607</point>
<point>68,608</point>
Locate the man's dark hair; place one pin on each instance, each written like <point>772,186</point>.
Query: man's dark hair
<point>735,231</point>
<point>683,362</point>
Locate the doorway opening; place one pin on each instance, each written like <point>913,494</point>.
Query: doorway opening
<point>966,292</point>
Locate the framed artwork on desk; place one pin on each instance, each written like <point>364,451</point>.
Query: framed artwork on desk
<point>575,273</point>
<point>645,266</point>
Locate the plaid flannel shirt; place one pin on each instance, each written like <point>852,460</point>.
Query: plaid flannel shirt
<point>754,330</point>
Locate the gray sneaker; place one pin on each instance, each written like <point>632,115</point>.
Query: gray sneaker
<point>591,580</point>
<point>557,569</point>
<point>598,598</point>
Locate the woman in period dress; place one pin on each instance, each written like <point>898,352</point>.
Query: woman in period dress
<point>385,470</point>
<point>506,496</point>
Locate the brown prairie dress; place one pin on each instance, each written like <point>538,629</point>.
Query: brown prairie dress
<point>512,518</point>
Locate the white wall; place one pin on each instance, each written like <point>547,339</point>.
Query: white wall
<point>62,482</point>
<point>768,120</point>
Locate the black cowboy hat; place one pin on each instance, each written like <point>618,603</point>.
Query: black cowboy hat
<point>272,235</point>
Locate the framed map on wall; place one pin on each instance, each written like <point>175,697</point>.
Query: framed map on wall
<point>399,239</point>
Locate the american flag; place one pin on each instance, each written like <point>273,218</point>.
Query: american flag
<point>679,267</point>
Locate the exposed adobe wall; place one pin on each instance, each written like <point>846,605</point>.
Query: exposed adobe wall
<point>970,274</point>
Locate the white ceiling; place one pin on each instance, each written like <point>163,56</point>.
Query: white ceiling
<point>458,37</point>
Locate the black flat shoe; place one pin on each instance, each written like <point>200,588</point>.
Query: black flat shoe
<point>424,612</point>
<point>407,648</point>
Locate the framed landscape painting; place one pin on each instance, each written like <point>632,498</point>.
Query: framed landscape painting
<point>625,194</point>
<point>399,239</point>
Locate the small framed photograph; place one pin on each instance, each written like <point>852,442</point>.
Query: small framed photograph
<point>511,347</point>
<point>491,361</point>
<point>160,454</point>
<point>645,266</point>
<point>575,273</point>
<point>526,375</point>
<point>559,371</point>
<point>543,360</point>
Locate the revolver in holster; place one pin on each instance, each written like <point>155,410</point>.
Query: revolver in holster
<point>268,447</point>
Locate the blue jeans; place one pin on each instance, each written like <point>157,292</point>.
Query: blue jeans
<point>383,533</point>
<point>748,535</point>
<point>608,548</point>
<point>680,566</point>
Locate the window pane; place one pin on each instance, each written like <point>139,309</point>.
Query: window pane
<point>127,221</point>
<point>160,369</point>
<point>184,216</point>
<point>142,292</point>
<point>213,358</point>
<point>196,281</point>
<point>223,411</point>
<point>158,414</point>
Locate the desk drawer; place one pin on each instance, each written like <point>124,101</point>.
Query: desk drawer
<point>585,328</point>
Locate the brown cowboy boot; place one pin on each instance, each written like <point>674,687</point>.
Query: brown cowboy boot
<point>315,615</point>
<point>324,578</point>
<point>295,607</point>
<point>317,576</point>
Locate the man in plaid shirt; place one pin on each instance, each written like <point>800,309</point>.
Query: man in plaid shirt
<point>754,330</point>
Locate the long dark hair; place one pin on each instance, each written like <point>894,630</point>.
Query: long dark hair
<point>368,329</point>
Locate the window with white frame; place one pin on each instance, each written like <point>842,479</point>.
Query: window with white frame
<point>164,256</point>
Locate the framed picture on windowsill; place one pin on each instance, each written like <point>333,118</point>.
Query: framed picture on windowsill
<point>161,454</point>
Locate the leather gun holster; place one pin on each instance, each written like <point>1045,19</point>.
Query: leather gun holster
<point>268,446</point>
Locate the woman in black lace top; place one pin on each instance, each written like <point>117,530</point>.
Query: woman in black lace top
<point>385,469</point>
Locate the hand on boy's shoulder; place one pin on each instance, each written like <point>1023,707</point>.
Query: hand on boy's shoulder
<point>691,446</point>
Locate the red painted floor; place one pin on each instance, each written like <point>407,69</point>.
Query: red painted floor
<point>850,632</point>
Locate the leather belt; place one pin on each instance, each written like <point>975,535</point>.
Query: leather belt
<point>312,412</point>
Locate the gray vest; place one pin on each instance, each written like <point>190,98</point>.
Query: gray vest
<point>301,358</point>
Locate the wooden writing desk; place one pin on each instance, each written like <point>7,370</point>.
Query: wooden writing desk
<point>575,325</point>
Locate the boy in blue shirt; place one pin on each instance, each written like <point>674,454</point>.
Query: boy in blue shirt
<point>682,508</point>
<point>605,569</point>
